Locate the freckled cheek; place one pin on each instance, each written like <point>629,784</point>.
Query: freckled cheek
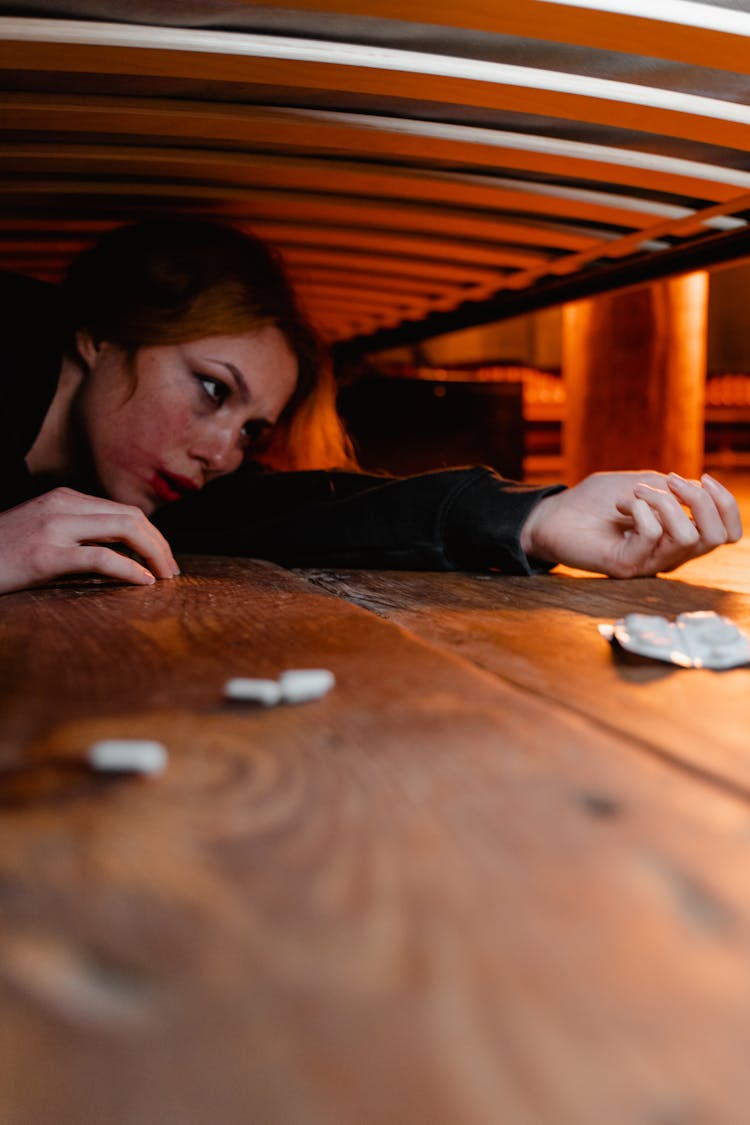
<point>179,431</point>
<point>166,430</point>
<point>144,438</point>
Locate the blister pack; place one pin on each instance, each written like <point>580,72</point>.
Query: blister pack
<point>702,639</point>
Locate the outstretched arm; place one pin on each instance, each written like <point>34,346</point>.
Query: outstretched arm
<point>622,524</point>
<point>628,524</point>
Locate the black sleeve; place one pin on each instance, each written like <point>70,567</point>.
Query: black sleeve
<point>456,519</point>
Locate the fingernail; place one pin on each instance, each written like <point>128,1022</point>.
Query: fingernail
<point>149,578</point>
<point>708,479</point>
<point>176,572</point>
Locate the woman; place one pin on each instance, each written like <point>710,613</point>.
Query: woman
<point>149,399</point>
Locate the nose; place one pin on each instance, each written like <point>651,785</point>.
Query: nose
<point>217,448</point>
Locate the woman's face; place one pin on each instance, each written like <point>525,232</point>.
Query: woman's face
<point>180,415</point>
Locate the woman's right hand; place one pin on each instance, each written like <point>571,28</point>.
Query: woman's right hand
<point>67,532</point>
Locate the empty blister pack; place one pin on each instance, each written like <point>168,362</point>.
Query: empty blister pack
<point>702,639</point>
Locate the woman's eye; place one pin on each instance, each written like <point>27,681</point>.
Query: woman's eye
<point>254,430</point>
<point>214,388</point>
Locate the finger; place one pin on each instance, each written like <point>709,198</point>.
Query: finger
<point>634,549</point>
<point>727,505</point>
<point>706,516</point>
<point>151,543</point>
<point>122,527</point>
<point>102,560</point>
<point>638,549</point>
<point>634,518</point>
<point>156,550</point>
<point>147,540</point>
<point>674,520</point>
<point>645,523</point>
<point>131,527</point>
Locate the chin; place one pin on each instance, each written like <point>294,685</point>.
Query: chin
<point>147,504</point>
<point>125,492</point>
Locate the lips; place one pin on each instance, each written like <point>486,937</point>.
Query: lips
<point>170,487</point>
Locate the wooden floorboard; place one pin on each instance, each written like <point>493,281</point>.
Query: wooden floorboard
<point>431,896</point>
<point>541,634</point>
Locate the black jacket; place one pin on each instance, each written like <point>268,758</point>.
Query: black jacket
<point>446,520</point>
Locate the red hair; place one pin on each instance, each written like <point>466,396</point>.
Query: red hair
<point>164,282</point>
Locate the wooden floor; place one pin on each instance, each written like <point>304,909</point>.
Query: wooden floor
<point>499,876</point>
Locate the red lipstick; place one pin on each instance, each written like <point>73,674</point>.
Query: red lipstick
<point>170,487</point>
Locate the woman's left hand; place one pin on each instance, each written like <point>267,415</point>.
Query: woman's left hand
<point>628,525</point>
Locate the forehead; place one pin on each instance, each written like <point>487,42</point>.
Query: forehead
<point>253,353</point>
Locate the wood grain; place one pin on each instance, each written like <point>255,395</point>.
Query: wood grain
<point>195,64</point>
<point>651,340</point>
<point>580,25</point>
<point>431,896</point>
<point>541,635</point>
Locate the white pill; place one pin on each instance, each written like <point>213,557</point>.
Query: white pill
<point>299,685</point>
<point>266,692</point>
<point>127,755</point>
